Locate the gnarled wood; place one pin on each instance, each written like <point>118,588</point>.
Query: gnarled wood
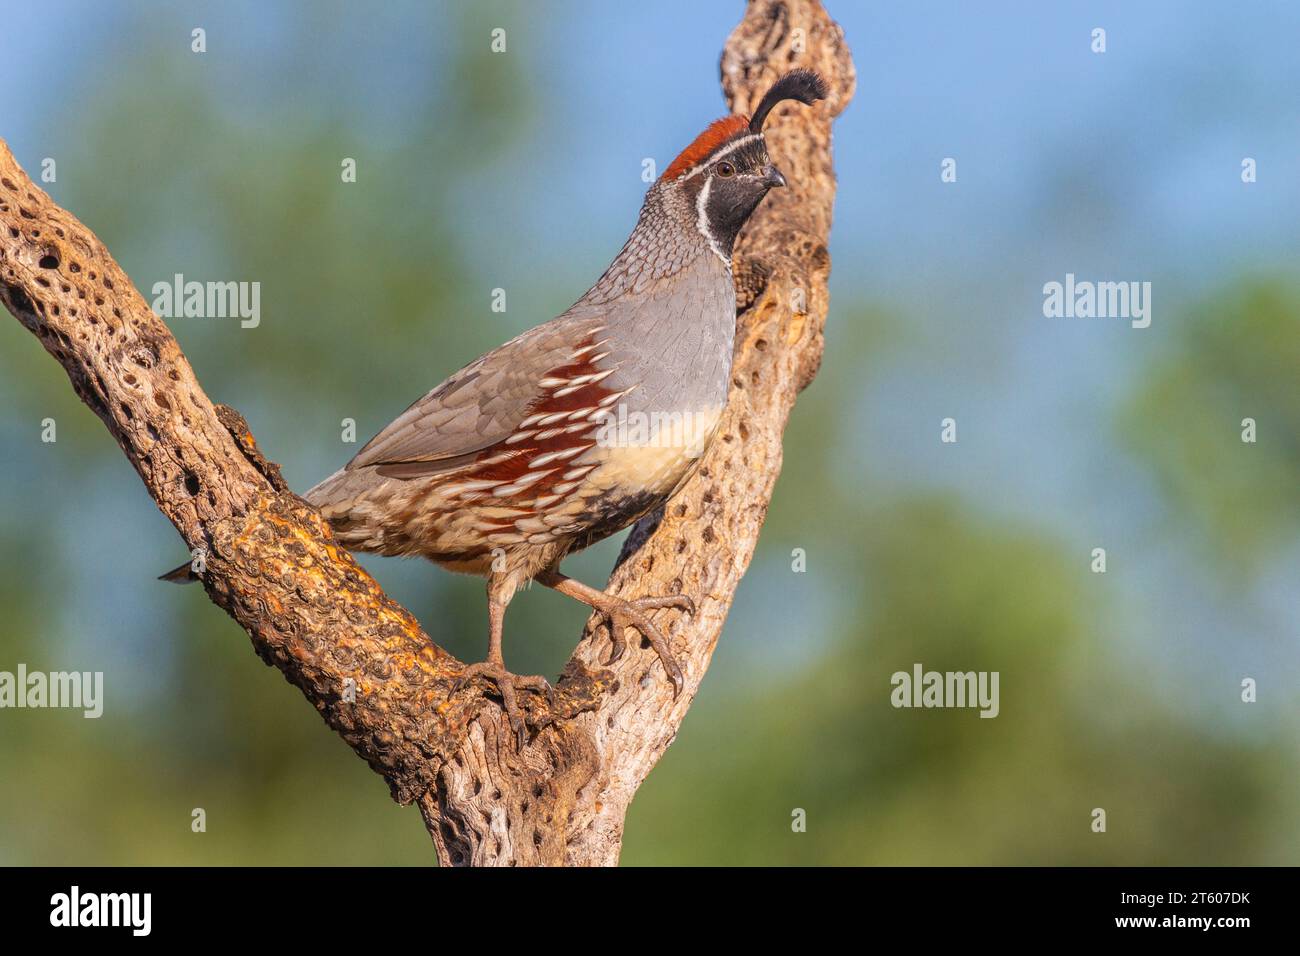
<point>312,612</point>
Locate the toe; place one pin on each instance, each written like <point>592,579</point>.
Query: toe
<point>464,677</point>
<point>680,601</point>
<point>537,684</point>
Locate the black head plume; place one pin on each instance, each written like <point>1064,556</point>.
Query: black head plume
<point>802,85</point>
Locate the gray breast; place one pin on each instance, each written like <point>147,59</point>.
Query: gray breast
<point>673,343</point>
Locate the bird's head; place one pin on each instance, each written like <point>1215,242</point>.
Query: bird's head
<point>726,171</point>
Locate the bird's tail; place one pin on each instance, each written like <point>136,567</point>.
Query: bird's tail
<point>181,575</point>
<point>336,485</point>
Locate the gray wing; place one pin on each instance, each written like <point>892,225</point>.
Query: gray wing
<point>476,407</point>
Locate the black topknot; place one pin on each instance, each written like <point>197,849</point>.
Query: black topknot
<point>802,85</point>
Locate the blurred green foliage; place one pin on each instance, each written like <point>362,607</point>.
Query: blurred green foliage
<point>1237,357</point>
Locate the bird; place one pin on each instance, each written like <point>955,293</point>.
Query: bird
<point>577,428</point>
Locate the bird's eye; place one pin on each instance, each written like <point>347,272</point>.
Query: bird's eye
<point>725,169</point>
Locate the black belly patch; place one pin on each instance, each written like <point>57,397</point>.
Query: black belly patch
<point>609,515</point>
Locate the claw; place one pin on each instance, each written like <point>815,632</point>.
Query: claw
<point>621,614</point>
<point>537,684</point>
<point>507,684</point>
<point>617,640</point>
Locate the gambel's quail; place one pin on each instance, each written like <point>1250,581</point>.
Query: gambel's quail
<point>578,427</point>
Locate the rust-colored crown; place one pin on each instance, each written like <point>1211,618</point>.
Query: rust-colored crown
<point>802,85</point>
<point>717,133</point>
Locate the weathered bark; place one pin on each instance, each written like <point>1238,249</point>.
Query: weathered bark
<point>312,612</point>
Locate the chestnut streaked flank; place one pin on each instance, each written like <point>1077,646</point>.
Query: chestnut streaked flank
<point>503,469</point>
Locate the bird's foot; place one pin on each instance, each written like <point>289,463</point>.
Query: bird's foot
<point>622,613</point>
<point>509,686</point>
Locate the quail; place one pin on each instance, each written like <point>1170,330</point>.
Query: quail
<point>576,428</point>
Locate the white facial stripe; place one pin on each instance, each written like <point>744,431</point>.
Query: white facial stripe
<point>714,157</point>
<point>702,221</point>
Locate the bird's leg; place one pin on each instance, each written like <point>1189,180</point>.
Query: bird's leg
<point>494,668</point>
<point>621,613</point>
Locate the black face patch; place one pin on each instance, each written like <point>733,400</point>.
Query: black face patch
<point>735,180</point>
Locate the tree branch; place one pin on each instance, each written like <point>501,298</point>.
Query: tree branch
<point>318,617</point>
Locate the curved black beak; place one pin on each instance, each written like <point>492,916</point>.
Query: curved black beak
<point>773,177</point>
